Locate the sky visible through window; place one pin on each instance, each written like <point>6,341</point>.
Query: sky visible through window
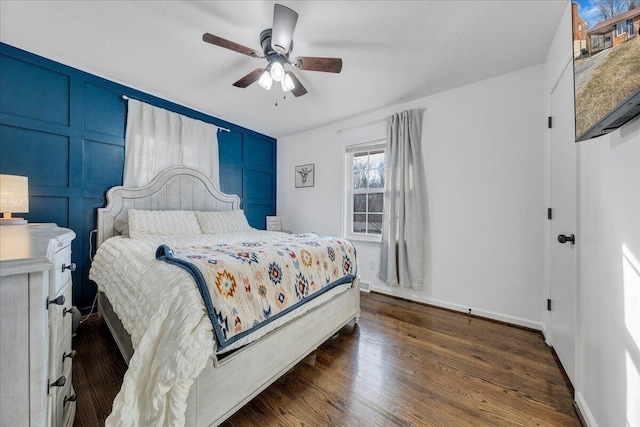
<point>588,10</point>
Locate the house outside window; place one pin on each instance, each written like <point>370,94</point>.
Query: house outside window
<point>365,180</point>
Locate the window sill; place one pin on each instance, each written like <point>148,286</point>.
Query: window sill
<point>364,240</point>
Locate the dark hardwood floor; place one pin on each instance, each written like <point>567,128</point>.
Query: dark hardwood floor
<point>405,364</point>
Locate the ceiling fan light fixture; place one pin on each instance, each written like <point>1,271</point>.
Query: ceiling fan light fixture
<point>277,71</point>
<point>265,80</point>
<point>287,83</point>
<point>277,44</point>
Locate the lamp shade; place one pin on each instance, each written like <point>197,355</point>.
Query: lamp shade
<point>277,70</point>
<point>287,83</point>
<point>265,80</point>
<point>14,194</point>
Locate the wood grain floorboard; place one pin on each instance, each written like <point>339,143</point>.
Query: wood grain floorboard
<point>405,364</point>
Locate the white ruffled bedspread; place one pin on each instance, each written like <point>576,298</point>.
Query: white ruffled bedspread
<point>161,308</point>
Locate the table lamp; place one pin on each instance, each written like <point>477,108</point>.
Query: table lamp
<point>14,198</point>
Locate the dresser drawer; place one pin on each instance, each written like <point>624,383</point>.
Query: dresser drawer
<point>64,401</point>
<point>69,410</point>
<point>60,325</point>
<point>62,268</point>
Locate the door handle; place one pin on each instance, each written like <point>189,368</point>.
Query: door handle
<point>564,239</point>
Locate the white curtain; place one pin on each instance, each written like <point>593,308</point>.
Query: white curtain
<point>157,139</point>
<point>402,253</point>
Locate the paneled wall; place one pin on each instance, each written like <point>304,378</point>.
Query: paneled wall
<point>64,129</point>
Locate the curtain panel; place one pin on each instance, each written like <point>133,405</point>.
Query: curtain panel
<point>403,231</point>
<point>157,139</point>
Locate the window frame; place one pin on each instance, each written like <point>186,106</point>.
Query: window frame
<point>352,151</point>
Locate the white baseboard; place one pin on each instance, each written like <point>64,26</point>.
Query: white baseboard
<point>538,326</point>
<point>584,409</point>
<point>543,329</point>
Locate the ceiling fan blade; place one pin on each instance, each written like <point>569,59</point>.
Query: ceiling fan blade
<point>284,23</point>
<point>252,77</point>
<point>298,90</point>
<point>228,44</point>
<point>310,63</point>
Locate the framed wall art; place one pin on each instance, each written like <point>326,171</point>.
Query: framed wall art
<point>305,175</point>
<point>274,223</point>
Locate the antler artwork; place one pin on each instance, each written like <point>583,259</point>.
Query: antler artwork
<point>304,174</point>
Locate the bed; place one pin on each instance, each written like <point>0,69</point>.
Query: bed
<point>228,380</point>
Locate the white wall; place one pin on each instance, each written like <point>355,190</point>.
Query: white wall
<point>608,239</point>
<point>483,146</point>
<point>609,303</point>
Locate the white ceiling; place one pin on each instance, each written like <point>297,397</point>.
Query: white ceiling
<point>392,51</point>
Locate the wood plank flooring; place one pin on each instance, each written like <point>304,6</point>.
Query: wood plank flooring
<point>405,364</point>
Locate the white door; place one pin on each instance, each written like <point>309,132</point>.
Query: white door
<point>562,263</point>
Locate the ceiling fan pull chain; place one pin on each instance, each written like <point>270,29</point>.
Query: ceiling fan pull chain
<point>276,92</point>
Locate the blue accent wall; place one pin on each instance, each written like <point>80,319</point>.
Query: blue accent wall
<point>65,129</point>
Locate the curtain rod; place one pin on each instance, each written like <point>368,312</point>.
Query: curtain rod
<point>220,128</point>
<point>373,122</point>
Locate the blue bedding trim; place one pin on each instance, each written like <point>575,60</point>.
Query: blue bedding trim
<point>164,253</point>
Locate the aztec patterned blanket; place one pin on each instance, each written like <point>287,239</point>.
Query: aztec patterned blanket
<point>247,285</point>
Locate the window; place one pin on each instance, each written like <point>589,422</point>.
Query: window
<point>621,28</point>
<point>630,27</point>
<point>365,190</point>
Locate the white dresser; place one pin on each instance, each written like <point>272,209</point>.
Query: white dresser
<point>35,326</point>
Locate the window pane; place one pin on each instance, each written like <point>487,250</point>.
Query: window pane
<point>376,169</point>
<point>376,159</point>
<point>360,162</point>
<point>375,224</point>
<point>360,159</point>
<point>376,178</point>
<point>359,202</point>
<point>375,202</point>
<point>359,223</point>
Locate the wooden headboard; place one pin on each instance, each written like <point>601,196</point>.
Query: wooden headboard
<point>175,188</point>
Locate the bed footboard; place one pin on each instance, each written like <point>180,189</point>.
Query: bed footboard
<point>221,390</point>
<point>242,375</point>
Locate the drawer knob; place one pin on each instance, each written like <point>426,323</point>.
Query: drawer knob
<point>58,383</point>
<point>70,355</point>
<point>58,301</point>
<point>71,398</point>
<point>70,267</point>
<point>69,310</point>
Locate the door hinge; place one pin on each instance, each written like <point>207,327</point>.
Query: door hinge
<point>548,304</point>
<point>549,213</point>
<point>549,122</point>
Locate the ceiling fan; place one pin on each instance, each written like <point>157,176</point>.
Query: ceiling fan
<point>277,44</point>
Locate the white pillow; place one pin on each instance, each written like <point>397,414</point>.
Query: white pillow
<point>145,223</point>
<point>223,222</point>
